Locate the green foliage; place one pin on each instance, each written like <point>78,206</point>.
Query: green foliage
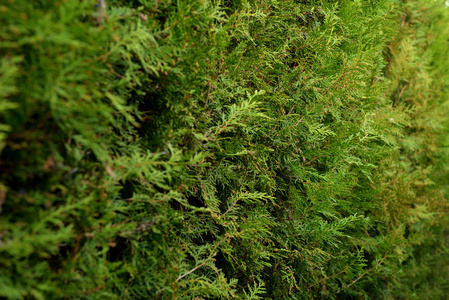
<point>223,149</point>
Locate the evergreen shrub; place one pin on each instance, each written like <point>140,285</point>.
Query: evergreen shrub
<point>203,149</point>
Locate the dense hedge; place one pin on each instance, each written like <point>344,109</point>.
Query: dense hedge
<point>223,149</point>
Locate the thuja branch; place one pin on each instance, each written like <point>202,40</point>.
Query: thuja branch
<point>366,273</point>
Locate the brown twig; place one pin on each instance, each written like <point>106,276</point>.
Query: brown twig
<point>332,276</point>
<point>313,159</point>
<point>101,12</point>
<point>366,273</point>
